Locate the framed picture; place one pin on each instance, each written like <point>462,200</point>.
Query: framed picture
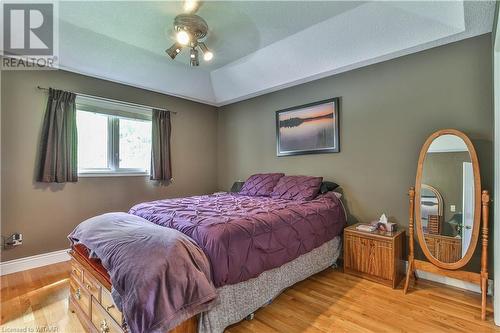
<point>308,129</point>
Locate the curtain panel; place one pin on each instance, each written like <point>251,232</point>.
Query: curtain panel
<point>161,165</point>
<point>58,145</point>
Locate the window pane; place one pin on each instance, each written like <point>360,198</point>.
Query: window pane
<point>92,140</point>
<point>135,144</point>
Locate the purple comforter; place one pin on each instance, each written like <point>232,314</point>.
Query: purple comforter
<point>244,236</point>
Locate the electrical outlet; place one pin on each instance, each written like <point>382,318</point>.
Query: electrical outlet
<point>453,208</point>
<point>13,240</point>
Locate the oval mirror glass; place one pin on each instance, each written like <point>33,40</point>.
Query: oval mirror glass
<point>447,199</point>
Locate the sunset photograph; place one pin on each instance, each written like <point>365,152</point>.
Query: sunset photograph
<point>308,129</point>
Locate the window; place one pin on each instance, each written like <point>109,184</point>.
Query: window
<point>113,138</point>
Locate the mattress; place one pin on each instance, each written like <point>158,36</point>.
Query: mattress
<point>244,236</point>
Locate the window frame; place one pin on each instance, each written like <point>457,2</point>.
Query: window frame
<point>113,159</point>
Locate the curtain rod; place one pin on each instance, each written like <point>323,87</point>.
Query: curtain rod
<point>114,100</point>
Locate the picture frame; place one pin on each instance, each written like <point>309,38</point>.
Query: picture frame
<point>308,129</point>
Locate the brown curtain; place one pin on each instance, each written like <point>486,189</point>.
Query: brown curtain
<point>161,166</point>
<point>58,146</point>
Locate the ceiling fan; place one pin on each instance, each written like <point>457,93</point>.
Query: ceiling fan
<point>189,30</point>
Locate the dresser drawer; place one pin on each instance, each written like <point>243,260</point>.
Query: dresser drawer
<point>80,295</point>
<point>110,307</point>
<point>91,284</point>
<point>76,271</point>
<point>102,320</point>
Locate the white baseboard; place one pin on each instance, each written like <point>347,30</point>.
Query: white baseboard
<point>451,281</point>
<point>22,264</point>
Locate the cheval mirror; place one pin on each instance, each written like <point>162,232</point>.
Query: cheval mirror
<point>446,207</point>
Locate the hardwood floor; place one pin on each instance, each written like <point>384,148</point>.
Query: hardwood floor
<point>37,299</point>
<point>330,301</point>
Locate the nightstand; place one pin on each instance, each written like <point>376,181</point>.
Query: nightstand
<point>376,256</point>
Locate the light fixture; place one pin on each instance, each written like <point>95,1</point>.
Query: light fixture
<point>174,50</point>
<point>193,57</point>
<point>183,37</point>
<point>190,29</point>
<point>207,54</point>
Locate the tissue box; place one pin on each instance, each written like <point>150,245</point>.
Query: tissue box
<point>389,227</point>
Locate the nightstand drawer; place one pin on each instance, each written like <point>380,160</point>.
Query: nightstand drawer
<point>375,257</point>
<point>369,256</point>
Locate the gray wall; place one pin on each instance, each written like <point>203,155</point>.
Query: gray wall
<point>45,214</point>
<point>387,112</point>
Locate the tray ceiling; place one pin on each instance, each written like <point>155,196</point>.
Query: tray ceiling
<point>259,46</point>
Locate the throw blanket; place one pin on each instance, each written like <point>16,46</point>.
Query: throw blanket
<point>160,276</point>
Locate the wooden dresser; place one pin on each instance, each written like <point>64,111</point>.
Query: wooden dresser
<point>444,248</point>
<point>376,256</point>
<point>90,298</point>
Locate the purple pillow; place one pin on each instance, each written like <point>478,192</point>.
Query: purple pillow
<point>260,184</point>
<point>297,188</point>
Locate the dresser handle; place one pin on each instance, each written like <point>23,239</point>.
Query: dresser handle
<point>78,294</point>
<point>89,287</point>
<point>104,326</point>
<point>109,307</point>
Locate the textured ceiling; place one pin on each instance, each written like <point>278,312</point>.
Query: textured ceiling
<point>236,28</point>
<point>259,46</point>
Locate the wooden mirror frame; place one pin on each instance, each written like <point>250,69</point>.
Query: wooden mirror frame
<point>481,213</point>
<point>477,200</point>
<point>439,198</point>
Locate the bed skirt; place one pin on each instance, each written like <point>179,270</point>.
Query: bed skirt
<point>237,301</point>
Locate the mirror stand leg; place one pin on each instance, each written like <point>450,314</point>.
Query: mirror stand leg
<point>485,200</point>
<point>409,273</point>
<point>484,292</point>
<point>411,263</point>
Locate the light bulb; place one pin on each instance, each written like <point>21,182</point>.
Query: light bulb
<point>183,37</point>
<point>207,56</point>
<point>190,5</point>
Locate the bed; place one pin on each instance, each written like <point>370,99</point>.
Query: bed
<point>256,246</point>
